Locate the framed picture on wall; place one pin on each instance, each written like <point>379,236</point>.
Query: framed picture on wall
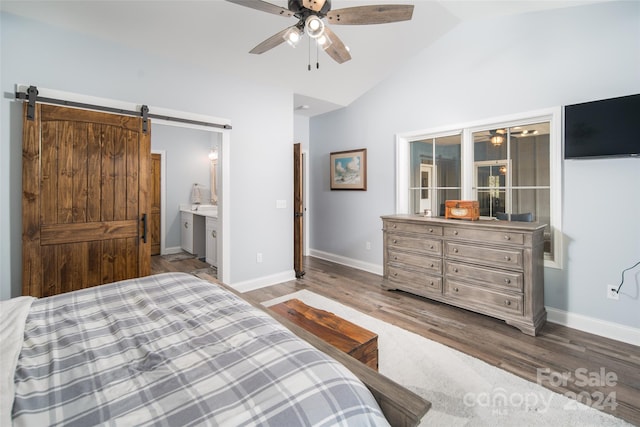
<point>349,170</point>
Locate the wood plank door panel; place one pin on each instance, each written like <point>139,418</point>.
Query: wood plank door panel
<point>85,194</point>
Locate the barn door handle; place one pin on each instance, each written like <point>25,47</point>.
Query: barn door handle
<point>144,228</point>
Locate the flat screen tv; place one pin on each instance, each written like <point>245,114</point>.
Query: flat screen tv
<point>605,128</point>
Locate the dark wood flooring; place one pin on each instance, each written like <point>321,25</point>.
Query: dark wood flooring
<point>601,372</point>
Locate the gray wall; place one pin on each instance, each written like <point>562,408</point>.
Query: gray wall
<point>301,131</point>
<point>261,169</point>
<point>187,163</point>
<point>492,68</point>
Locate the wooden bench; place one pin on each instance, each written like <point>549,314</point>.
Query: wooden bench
<point>354,340</point>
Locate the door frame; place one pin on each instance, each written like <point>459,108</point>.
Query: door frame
<point>430,169</point>
<point>163,198</point>
<point>304,248</point>
<point>305,201</point>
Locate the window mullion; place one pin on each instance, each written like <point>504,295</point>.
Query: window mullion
<point>467,171</point>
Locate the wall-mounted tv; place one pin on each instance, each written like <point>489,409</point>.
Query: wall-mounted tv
<point>604,128</point>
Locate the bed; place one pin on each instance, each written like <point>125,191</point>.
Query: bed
<point>169,349</point>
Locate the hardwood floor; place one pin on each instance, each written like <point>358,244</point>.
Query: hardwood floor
<point>599,371</point>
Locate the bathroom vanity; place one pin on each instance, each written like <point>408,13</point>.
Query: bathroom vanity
<point>199,228</point>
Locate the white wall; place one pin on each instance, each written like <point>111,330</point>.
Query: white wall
<point>301,131</point>
<point>492,68</point>
<point>261,169</point>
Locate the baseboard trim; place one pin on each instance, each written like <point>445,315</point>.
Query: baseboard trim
<point>604,328</point>
<point>263,282</point>
<point>592,325</point>
<point>349,262</point>
<point>172,250</point>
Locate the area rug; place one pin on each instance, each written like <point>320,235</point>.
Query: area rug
<point>463,390</point>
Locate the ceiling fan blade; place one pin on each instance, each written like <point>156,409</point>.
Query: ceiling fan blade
<point>315,5</point>
<point>374,14</point>
<point>271,42</point>
<point>263,6</point>
<point>336,50</point>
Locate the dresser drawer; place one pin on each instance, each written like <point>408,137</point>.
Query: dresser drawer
<point>414,281</point>
<point>409,227</point>
<point>511,258</point>
<point>477,297</point>
<point>433,265</point>
<point>429,246</point>
<point>485,235</point>
<point>498,278</point>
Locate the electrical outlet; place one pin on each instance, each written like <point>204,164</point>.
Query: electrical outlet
<point>612,292</point>
<point>259,257</point>
<point>367,246</point>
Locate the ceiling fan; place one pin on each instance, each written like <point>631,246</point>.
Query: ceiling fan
<point>310,15</point>
<point>498,136</point>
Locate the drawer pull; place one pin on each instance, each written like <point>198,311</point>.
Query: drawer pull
<point>455,250</point>
<point>507,237</point>
<point>395,258</point>
<point>507,281</point>
<point>455,270</point>
<point>507,302</point>
<point>213,233</point>
<point>432,284</point>
<point>395,225</point>
<point>431,247</point>
<point>455,232</point>
<point>455,289</point>
<point>395,241</point>
<point>431,230</point>
<point>507,257</point>
<point>431,265</point>
<point>186,225</point>
<point>395,274</point>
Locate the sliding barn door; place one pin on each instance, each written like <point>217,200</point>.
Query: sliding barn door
<point>85,201</point>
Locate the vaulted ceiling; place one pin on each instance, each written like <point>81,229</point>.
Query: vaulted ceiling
<point>217,35</point>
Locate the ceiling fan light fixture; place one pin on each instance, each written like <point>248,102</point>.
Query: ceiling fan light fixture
<point>313,26</point>
<point>497,140</point>
<point>324,41</point>
<point>293,36</point>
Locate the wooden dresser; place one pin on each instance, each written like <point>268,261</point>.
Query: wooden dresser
<point>487,266</point>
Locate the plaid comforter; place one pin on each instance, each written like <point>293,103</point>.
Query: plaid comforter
<point>174,350</point>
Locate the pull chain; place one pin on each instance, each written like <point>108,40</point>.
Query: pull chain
<point>309,54</point>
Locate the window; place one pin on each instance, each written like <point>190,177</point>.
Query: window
<point>509,165</point>
<point>435,173</point>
